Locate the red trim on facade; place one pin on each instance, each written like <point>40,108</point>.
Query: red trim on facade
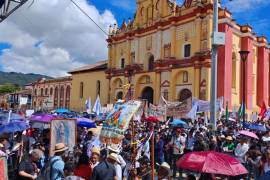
<point>224,79</point>
<point>247,45</point>
<point>262,76</point>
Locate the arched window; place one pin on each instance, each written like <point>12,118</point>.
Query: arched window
<point>51,91</point>
<point>56,97</point>
<point>81,90</point>
<point>98,87</point>
<point>185,77</point>
<point>41,92</point>
<point>151,65</point>
<point>122,65</point>
<point>234,70</point>
<point>46,91</point>
<point>166,94</point>
<point>62,92</point>
<point>67,97</point>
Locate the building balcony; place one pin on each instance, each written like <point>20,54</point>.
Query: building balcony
<point>124,71</point>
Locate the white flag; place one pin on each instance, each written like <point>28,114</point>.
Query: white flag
<point>88,105</point>
<point>97,107</point>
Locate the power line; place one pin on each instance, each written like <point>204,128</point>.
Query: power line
<point>88,17</point>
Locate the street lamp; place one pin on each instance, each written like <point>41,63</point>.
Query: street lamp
<point>244,56</point>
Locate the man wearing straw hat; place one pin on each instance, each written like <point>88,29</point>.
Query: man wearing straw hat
<point>57,163</point>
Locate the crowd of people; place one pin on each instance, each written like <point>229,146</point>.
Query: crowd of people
<point>28,152</point>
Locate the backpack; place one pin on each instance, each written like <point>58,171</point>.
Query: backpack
<point>45,173</point>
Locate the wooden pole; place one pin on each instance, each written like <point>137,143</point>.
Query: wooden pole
<point>153,153</point>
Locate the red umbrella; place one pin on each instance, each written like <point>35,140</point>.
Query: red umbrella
<point>152,119</point>
<point>211,162</point>
<point>249,134</point>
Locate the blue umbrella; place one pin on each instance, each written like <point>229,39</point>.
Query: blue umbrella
<point>255,126</point>
<point>176,122</point>
<point>13,126</point>
<point>14,116</point>
<point>62,110</point>
<point>84,122</point>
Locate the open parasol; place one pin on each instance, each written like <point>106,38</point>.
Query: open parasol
<point>212,162</point>
<point>13,126</point>
<point>42,118</point>
<point>152,119</point>
<point>85,122</point>
<point>249,134</point>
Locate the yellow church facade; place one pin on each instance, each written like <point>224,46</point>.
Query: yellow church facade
<point>166,51</point>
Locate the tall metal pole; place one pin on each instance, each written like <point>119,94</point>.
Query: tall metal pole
<point>244,91</point>
<point>214,69</point>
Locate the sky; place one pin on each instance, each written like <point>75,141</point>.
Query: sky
<point>54,37</point>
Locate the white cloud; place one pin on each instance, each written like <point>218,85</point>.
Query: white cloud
<point>244,5</point>
<point>69,39</point>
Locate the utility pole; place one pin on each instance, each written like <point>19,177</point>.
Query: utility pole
<point>213,99</point>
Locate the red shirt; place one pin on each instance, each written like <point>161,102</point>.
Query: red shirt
<point>83,171</point>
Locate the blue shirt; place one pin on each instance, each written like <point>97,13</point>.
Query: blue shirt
<point>57,169</point>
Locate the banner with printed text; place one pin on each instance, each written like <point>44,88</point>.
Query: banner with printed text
<point>157,111</point>
<point>179,110</point>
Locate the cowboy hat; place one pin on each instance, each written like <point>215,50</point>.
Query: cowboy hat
<point>114,149</point>
<point>166,166</point>
<point>229,138</point>
<point>60,147</point>
<point>95,150</point>
<point>114,157</point>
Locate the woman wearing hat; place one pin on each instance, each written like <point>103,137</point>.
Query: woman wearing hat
<point>57,163</point>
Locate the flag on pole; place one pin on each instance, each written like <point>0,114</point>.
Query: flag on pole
<point>240,111</point>
<point>88,105</point>
<point>97,107</point>
<point>263,111</point>
<point>227,111</point>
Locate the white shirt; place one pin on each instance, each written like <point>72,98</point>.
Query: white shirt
<point>240,151</point>
<point>178,144</point>
<point>118,171</point>
<point>266,167</point>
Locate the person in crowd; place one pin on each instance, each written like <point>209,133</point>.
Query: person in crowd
<point>228,146</point>
<point>114,149</point>
<point>69,172</point>
<point>144,171</point>
<point>241,150</point>
<point>190,141</point>
<point>57,163</point>
<point>264,164</point>
<point>164,171</point>
<point>159,147</point>
<point>94,160</point>
<point>113,159</point>
<point>177,144</point>
<point>28,168</point>
<point>83,168</point>
<point>104,170</point>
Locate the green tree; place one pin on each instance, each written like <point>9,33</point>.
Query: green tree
<point>8,88</point>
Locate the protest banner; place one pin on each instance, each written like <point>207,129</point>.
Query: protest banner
<point>157,111</point>
<point>63,131</point>
<point>117,121</point>
<point>179,110</point>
